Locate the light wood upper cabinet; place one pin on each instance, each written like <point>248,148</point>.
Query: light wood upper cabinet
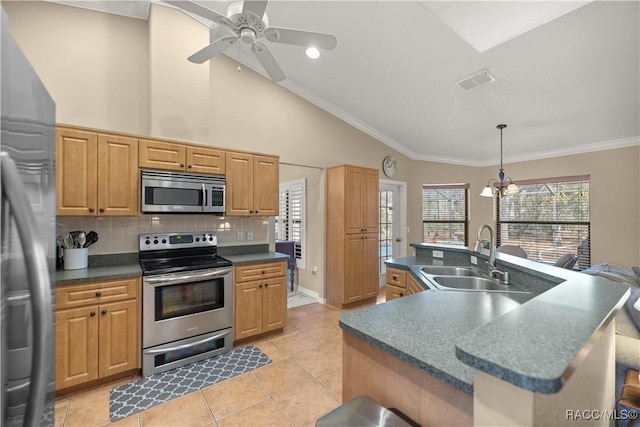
<point>361,210</point>
<point>96,174</point>
<point>180,157</point>
<point>252,185</point>
<point>76,172</point>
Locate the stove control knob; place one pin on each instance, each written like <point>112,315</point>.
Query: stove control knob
<point>197,239</point>
<point>211,239</point>
<point>164,240</point>
<point>155,242</point>
<point>146,242</point>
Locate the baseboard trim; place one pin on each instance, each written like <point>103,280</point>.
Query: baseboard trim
<point>312,294</point>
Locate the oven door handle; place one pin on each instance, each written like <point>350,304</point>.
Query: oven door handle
<point>183,346</point>
<point>186,278</point>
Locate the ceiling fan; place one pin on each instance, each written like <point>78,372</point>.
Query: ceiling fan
<point>246,21</point>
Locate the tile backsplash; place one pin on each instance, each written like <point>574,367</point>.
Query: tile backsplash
<point>120,234</point>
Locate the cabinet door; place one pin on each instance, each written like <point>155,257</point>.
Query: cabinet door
<point>274,304</point>
<point>239,184</point>
<point>266,185</point>
<point>117,175</point>
<point>248,309</point>
<point>161,155</point>
<point>393,292</point>
<point>413,287</point>
<point>118,341</point>
<point>371,274</point>
<point>370,201</point>
<point>353,268</point>
<point>76,173</point>
<point>76,346</point>
<point>205,160</point>
<point>354,190</point>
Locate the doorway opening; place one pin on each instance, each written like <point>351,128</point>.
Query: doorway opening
<point>393,219</point>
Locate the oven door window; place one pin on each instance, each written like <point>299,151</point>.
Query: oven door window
<point>162,196</point>
<point>190,298</point>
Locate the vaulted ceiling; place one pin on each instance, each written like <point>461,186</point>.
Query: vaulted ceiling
<point>566,72</point>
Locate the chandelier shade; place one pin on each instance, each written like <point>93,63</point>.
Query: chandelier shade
<point>500,187</point>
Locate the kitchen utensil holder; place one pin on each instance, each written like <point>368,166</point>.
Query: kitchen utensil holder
<point>75,259</point>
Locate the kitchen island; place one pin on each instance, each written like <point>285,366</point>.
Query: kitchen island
<point>487,358</point>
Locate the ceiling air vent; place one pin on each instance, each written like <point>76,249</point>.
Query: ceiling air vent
<point>475,80</point>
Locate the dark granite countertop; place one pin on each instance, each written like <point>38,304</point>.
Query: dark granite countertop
<point>450,334</point>
<point>256,257</point>
<point>115,271</point>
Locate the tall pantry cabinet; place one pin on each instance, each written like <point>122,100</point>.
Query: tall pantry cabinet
<point>352,234</point>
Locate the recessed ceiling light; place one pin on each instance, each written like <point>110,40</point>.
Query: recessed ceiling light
<point>313,53</point>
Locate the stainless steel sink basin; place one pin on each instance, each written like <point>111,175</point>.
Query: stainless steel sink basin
<point>473,284</point>
<point>445,270</point>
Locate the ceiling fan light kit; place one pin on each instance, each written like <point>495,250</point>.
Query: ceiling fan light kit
<point>247,21</point>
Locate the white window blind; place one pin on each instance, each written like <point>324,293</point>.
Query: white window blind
<point>290,224</point>
<point>548,218</point>
<point>445,213</point>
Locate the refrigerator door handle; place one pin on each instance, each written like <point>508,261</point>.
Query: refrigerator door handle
<point>38,273</point>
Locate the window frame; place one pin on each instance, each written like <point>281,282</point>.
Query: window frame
<point>465,222</point>
<point>584,260</point>
<point>284,221</point>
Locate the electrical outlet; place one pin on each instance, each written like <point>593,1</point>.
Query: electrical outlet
<point>474,260</point>
<point>314,270</point>
<point>249,236</point>
<point>438,254</point>
<point>240,236</point>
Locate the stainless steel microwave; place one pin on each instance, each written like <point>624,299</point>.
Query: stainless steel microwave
<point>171,192</point>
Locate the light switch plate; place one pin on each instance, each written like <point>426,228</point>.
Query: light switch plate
<point>438,254</point>
<point>249,236</point>
<point>240,236</point>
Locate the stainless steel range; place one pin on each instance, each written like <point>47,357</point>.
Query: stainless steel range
<point>187,300</point>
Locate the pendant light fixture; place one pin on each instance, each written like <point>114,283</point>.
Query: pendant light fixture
<point>501,187</point>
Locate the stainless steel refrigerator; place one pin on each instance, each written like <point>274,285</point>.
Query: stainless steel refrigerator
<point>27,235</point>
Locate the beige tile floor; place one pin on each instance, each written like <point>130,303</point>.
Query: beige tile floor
<point>303,383</point>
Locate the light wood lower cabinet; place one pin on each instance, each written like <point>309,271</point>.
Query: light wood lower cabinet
<point>260,299</point>
<point>400,283</point>
<point>97,331</point>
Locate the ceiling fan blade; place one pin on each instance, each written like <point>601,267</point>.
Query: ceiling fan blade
<point>213,49</point>
<point>268,61</point>
<point>255,7</point>
<point>301,37</point>
<point>202,11</point>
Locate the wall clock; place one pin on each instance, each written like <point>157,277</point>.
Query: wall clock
<point>389,166</point>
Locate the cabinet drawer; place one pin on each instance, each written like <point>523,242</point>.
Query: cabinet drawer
<point>393,292</point>
<point>72,296</point>
<point>244,273</point>
<point>396,277</point>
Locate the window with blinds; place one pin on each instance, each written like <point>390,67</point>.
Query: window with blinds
<point>445,213</point>
<point>548,219</point>
<point>290,224</point>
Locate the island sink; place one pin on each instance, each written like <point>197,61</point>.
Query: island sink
<point>454,278</point>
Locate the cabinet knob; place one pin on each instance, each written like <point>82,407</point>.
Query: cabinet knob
<point>93,313</point>
<point>101,209</point>
<point>190,166</point>
<point>104,312</point>
<point>181,165</point>
<point>98,294</point>
<point>91,210</point>
<point>262,271</point>
<point>395,277</point>
<point>266,285</point>
<point>401,294</point>
<point>259,286</point>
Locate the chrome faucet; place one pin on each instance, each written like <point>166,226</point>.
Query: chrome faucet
<point>495,273</point>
